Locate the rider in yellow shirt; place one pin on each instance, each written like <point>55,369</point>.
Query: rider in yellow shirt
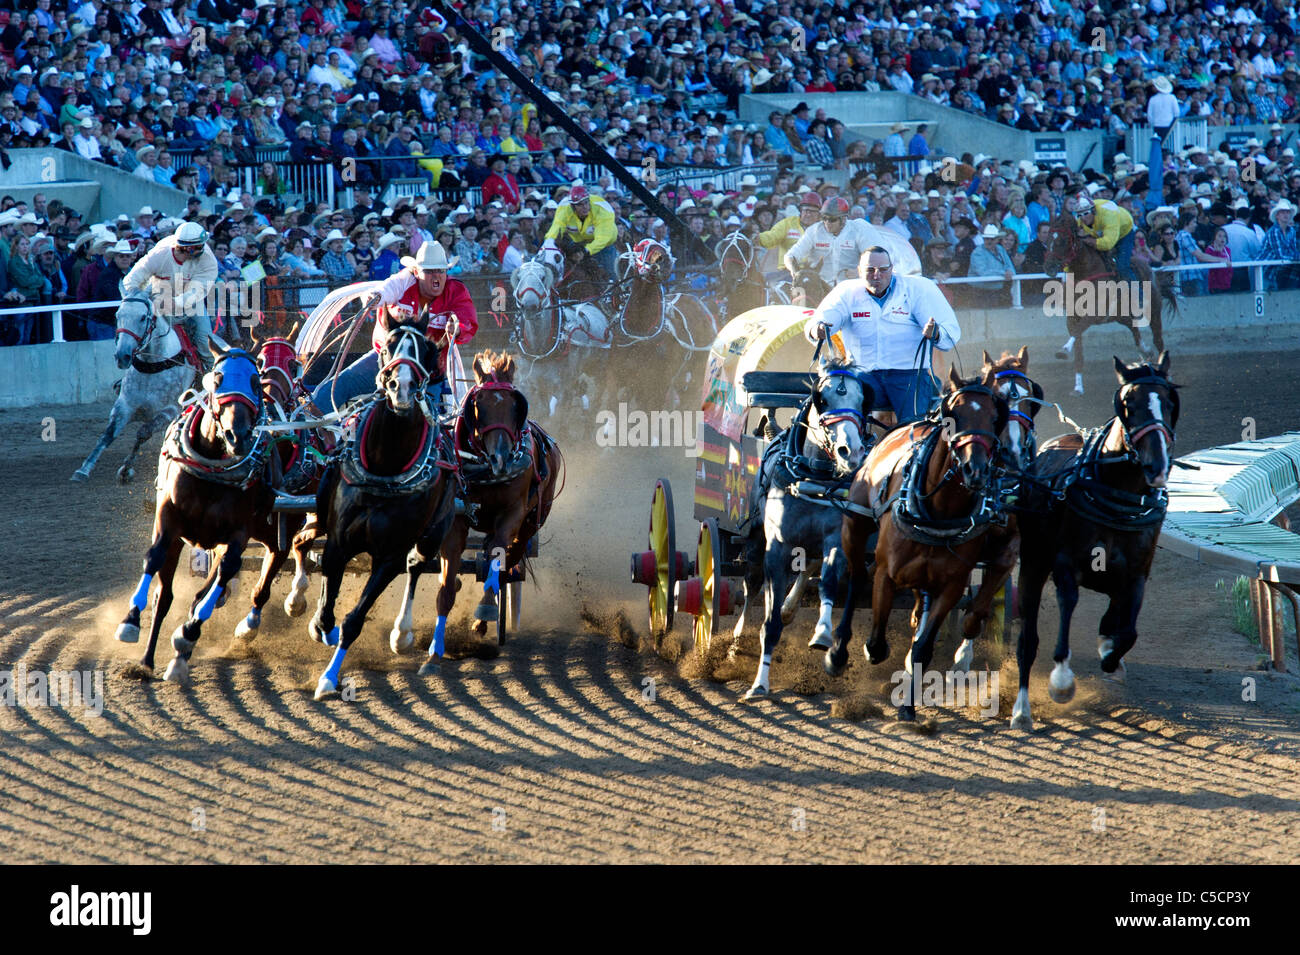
<point>785,233</point>
<point>1108,228</point>
<point>585,223</point>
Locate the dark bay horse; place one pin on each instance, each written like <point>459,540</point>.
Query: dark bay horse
<point>215,490</point>
<point>391,489</point>
<point>1094,295</point>
<point>510,468</point>
<point>807,288</point>
<point>1102,535</point>
<point>932,488</point>
<point>741,285</point>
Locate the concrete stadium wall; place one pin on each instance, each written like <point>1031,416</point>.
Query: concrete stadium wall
<point>84,372</point>
<point>118,192</point>
<point>66,373</point>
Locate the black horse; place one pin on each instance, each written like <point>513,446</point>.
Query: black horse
<point>392,489</point>
<point>1093,519</point>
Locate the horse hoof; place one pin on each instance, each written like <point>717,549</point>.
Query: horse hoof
<point>178,671</point>
<point>480,628</point>
<point>877,654</point>
<point>835,665</point>
<point>295,604</point>
<point>907,714</point>
<point>181,643</point>
<point>431,667</point>
<point>125,475</point>
<point>486,611</point>
<point>401,641</point>
<point>1061,685</point>
<point>1062,354</point>
<point>80,477</point>
<point>1117,672</point>
<point>248,627</point>
<point>325,688</point>
<point>787,616</point>
<point>127,633</point>
<point>756,692</point>
<point>821,641</point>
<point>1078,389</point>
<point>1022,721</point>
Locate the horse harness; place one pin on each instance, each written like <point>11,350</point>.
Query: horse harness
<point>145,339</point>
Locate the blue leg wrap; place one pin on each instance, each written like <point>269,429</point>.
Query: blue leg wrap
<point>209,603</point>
<point>141,595</point>
<point>336,664</point>
<point>493,578</point>
<point>439,633</point>
<point>332,638</point>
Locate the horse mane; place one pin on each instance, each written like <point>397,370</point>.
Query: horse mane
<point>498,365</point>
<point>837,363</point>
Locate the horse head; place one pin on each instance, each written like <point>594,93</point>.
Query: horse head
<point>735,257</point>
<point>842,401</point>
<point>1024,397</point>
<point>279,364</point>
<point>1063,242</point>
<point>652,260</point>
<point>138,324</point>
<point>808,288</point>
<point>405,361</point>
<point>533,281</point>
<point>1146,404</point>
<point>234,398</point>
<point>495,412</point>
<point>973,416</point>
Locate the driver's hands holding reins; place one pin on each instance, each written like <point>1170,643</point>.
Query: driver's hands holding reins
<point>931,330</point>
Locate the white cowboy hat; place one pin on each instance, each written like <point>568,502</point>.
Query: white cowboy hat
<point>762,76</point>
<point>1163,85</point>
<point>749,180</point>
<point>388,239</point>
<point>430,256</point>
<point>991,231</point>
<point>335,235</point>
<point>1282,206</point>
<point>123,247</point>
<point>1167,211</point>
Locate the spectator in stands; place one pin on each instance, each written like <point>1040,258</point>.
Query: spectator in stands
<point>1219,280</point>
<point>337,263</point>
<point>26,281</point>
<point>991,259</point>
<point>1280,242</point>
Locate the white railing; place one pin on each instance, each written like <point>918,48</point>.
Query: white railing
<point>314,181</point>
<point>56,313</point>
<point>1186,133</point>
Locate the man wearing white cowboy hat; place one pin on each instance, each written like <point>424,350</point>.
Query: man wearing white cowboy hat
<point>1280,242</point>
<point>1163,107</point>
<point>179,272</point>
<point>422,286</point>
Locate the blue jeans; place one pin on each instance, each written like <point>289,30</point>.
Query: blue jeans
<point>354,381</point>
<point>607,259</point>
<point>1124,259</point>
<point>907,393</point>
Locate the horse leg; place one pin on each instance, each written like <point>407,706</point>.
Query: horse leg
<point>933,614</point>
<point>272,561</point>
<point>1061,685</point>
<point>162,600</point>
<point>126,473</point>
<point>380,577</point>
<point>753,555</point>
<point>774,584</point>
<point>882,602</point>
<point>296,602</point>
<point>118,418</point>
<point>827,589</point>
<point>334,560</point>
<point>976,619</point>
<point>853,543</point>
<point>187,634</point>
<point>1127,605</point>
<point>1032,579</point>
<point>402,637</point>
<point>497,546</point>
<point>453,545</point>
<point>790,606</point>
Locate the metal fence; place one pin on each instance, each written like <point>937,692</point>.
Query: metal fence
<point>1186,133</point>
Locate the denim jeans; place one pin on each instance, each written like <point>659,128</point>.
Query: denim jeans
<point>354,381</point>
<point>906,392</point>
<point>1124,259</point>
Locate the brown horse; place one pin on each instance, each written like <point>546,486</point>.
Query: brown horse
<point>1095,522</point>
<point>509,467</point>
<point>741,285</point>
<point>930,486</point>
<point>1092,295</point>
<point>216,490</point>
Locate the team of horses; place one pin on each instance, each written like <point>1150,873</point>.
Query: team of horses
<point>967,485</point>
<point>404,487</point>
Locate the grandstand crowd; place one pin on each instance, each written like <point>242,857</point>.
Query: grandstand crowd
<point>395,89</point>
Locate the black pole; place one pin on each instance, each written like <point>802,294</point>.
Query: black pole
<point>591,148</point>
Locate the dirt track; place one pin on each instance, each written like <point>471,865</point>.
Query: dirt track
<point>551,751</point>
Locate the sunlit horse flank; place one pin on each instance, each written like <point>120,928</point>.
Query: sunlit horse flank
<point>391,490</point>
<point>214,491</point>
<point>938,469</point>
<point>1103,535</point>
<point>836,434</point>
<point>510,468</point>
<point>149,349</point>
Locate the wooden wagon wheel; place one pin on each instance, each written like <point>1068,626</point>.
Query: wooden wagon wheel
<point>662,566</point>
<point>708,567</point>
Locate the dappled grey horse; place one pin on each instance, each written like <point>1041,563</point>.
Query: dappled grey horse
<point>824,446</point>
<point>150,351</point>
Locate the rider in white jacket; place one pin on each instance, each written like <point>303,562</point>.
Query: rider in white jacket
<point>837,243</point>
<point>179,272</point>
<point>882,319</point>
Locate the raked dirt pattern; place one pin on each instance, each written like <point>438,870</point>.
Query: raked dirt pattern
<point>579,743</point>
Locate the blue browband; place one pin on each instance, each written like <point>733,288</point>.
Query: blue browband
<point>240,379</point>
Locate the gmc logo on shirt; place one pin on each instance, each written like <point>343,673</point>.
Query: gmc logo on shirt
<point>861,314</point>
